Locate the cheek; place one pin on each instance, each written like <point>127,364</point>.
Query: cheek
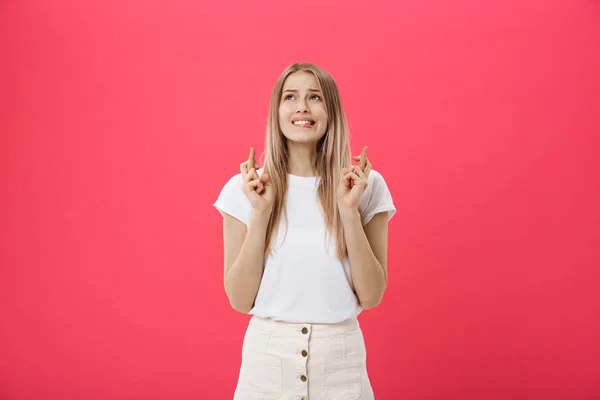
<point>319,111</point>
<point>284,113</point>
<point>322,115</point>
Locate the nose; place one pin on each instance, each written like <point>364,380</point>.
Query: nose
<point>302,106</point>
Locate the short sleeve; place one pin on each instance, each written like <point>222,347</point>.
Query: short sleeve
<point>232,200</point>
<point>376,198</point>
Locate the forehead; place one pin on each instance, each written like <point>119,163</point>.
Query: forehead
<point>301,80</point>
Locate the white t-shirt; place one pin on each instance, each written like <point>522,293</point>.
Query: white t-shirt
<point>303,281</point>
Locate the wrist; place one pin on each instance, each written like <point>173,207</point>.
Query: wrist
<point>259,220</point>
<point>261,214</point>
<point>349,215</point>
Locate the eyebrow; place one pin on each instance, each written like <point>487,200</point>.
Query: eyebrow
<point>294,90</point>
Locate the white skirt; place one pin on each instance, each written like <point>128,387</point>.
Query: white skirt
<point>288,361</point>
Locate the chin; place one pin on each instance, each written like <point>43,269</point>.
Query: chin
<point>303,137</point>
<point>302,140</point>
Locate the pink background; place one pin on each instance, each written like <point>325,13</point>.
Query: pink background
<point>121,120</point>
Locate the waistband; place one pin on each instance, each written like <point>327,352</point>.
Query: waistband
<point>294,328</point>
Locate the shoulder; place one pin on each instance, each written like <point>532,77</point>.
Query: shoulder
<point>233,185</point>
<point>238,176</point>
<point>237,180</point>
<point>375,176</point>
<point>376,198</point>
<point>376,181</point>
<point>232,200</point>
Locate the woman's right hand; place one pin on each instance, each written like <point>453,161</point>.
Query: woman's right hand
<point>257,189</point>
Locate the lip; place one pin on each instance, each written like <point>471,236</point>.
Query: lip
<point>303,119</point>
<point>307,126</point>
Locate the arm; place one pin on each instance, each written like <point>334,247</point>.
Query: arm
<point>367,254</point>
<point>244,259</point>
<point>244,246</point>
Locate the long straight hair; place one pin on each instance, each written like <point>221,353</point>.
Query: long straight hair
<point>333,154</point>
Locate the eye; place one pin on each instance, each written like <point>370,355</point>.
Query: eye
<point>288,97</point>
<point>315,97</point>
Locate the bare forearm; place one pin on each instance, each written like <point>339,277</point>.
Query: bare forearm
<point>367,273</point>
<point>244,276</point>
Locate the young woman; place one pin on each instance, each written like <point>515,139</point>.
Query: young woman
<point>305,241</point>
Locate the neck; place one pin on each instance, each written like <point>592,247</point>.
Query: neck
<point>302,158</point>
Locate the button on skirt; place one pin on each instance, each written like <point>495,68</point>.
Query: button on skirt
<point>282,360</point>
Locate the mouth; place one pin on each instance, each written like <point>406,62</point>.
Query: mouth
<point>303,123</point>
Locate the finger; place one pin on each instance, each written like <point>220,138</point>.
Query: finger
<point>344,173</point>
<point>347,181</point>
<point>358,159</point>
<point>253,173</point>
<point>251,160</point>
<point>254,159</point>
<point>363,158</point>
<point>244,169</point>
<point>250,175</point>
<point>265,179</point>
<point>355,178</point>
<point>362,175</point>
<point>255,184</point>
<point>367,170</point>
<point>351,179</point>
<point>358,171</point>
<point>355,173</point>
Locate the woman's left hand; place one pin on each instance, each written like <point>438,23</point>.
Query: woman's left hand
<point>353,182</point>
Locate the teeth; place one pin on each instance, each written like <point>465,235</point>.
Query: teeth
<point>302,123</point>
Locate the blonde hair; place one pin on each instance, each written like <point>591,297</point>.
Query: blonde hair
<point>333,154</point>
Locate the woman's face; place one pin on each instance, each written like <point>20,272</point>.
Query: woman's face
<point>302,115</point>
